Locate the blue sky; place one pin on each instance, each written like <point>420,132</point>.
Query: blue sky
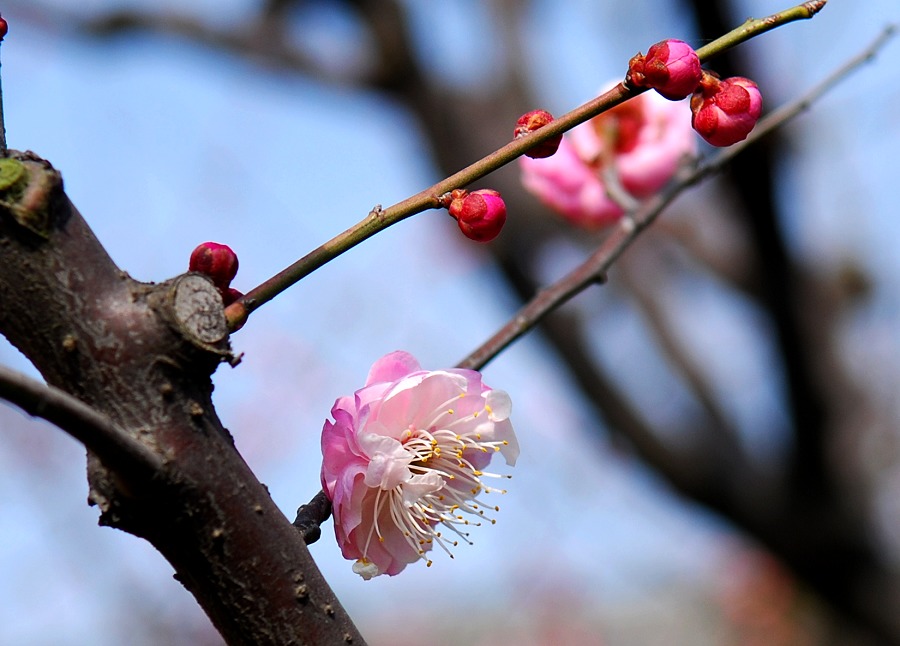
<point>163,146</point>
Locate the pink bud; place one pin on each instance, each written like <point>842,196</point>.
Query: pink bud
<point>531,121</point>
<point>215,260</point>
<point>480,214</point>
<point>725,111</point>
<point>671,67</point>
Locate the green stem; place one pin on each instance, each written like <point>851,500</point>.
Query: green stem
<point>379,219</point>
<point>756,26</point>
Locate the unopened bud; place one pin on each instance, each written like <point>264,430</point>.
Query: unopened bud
<point>4,28</point>
<point>531,121</point>
<point>230,295</point>
<point>480,214</point>
<point>671,67</point>
<point>215,260</point>
<point>725,111</point>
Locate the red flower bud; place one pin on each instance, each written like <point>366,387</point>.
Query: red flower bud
<point>531,121</point>
<point>4,28</point>
<point>230,295</point>
<point>671,67</point>
<point>480,214</point>
<point>725,111</point>
<point>215,260</point>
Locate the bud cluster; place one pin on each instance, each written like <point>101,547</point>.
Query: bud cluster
<point>634,149</point>
<point>724,111</point>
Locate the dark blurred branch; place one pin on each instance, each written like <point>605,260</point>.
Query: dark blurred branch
<point>650,296</point>
<point>115,448</point>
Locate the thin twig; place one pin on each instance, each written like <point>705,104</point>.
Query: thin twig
<point>379,219</point>
<point>311,516</point>
<point>594,269</point>
<point>109,442</point>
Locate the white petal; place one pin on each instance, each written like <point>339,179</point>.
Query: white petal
<point>366,569</point>
<point>499,404</point>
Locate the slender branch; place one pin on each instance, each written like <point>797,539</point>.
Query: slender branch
<point>109,442</point>
<point>756,26</point>
<point>430,198</point>
<point>593,270</point>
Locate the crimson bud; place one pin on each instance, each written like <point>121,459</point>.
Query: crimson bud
<point>480,214</point>
<point>671,67</point>
<point>725,111</point>
<point>217,261</point>
<point>531,121</point>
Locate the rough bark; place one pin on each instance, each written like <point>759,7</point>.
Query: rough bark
<point>142,354</point>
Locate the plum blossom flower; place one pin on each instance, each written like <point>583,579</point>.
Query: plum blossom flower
<point>404,462</point>
<point>643,140</point>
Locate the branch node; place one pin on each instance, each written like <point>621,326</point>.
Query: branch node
<point>310,517</point>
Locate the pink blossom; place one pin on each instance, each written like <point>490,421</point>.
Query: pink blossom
<point>671,67</point>
<point>644,140</point>
<point>404,458</point>
<point>725,111</point>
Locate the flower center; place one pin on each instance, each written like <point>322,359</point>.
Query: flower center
<point>444,486</point>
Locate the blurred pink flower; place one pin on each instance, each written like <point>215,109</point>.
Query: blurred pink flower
<point>645,139</point>
<point>404,455</point>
